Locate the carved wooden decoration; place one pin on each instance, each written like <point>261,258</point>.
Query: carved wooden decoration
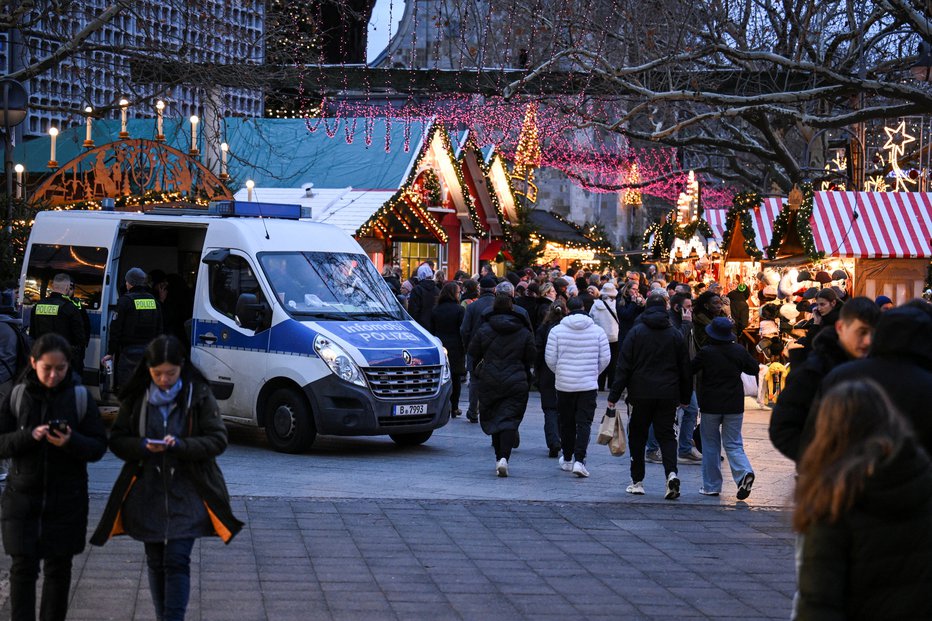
<point>129,167</point>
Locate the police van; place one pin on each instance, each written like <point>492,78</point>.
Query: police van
<point>288,319</point>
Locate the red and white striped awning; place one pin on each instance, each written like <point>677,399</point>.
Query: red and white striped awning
<point>716,219</point>
<point>762,220</point>
<point>887,224</point>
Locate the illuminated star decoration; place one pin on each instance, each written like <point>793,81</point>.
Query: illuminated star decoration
<point>897,150</point>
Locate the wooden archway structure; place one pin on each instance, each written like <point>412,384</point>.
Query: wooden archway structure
<point>126,168</point>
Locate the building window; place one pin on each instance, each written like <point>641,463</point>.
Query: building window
<point>411,254</point>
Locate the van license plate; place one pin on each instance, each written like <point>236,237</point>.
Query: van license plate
<point>417,409</point>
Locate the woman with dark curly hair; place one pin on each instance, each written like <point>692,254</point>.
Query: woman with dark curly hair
<point>706,308</point>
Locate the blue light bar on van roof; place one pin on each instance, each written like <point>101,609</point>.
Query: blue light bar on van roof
<point>249,209</point>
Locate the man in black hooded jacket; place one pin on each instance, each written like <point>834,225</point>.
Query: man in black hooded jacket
<point>653,365</point>
<point>848,339</point>
<point>900,360</point>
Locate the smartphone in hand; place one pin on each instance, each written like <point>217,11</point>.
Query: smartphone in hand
<point>156,442</point>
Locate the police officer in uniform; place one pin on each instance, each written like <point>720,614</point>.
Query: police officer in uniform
<point>85,318</point>
<point>137,320</point>
<point>56,313</point>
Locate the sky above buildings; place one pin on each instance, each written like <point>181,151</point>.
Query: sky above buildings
<point>382,25</point>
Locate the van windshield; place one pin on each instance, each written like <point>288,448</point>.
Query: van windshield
<point>329,286</point>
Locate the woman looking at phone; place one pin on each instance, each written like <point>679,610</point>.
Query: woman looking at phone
<point>51,429</point>
<point>170,491</point>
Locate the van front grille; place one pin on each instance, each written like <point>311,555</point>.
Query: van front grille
<point>403,382</point>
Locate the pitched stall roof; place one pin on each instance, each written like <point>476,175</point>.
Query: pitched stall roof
<point>554,229</point>
<point>346,208</point>
<point>872,224</point>
<point>482,190</point>
<point>716,220</point>
<point>500,179</point>
<point>762,220</point>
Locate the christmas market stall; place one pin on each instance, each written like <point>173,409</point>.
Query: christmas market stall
<point>564,243</point>
<point>885,234</point>
<point>436,188</point>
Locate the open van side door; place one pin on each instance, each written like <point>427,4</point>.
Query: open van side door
<point>231,352</point>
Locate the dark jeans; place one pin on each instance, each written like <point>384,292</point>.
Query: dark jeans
<point>608,375</point>
<point>661,413</point>
<point>457,389</point>
<point>503,442</point>
<point>170,577</point>
<point>576,410</point>
<point>24,572</point>
<point>551,425</point>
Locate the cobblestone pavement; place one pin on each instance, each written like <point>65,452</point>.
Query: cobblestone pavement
<point>360,528</point>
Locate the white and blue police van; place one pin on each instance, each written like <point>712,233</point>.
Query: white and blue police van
<point>288,319</point>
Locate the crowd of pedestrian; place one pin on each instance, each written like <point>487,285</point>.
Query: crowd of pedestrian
<point>626,333</point>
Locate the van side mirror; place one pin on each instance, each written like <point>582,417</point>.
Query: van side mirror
<point>250,312</point>
<point>215,257</point>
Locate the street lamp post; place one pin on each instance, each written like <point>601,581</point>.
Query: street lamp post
<point>15,105</point>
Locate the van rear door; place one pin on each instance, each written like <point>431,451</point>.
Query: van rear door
<point>80,245</point>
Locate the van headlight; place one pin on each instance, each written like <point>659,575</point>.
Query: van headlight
<point>339,361</point>
<point>445,374</point>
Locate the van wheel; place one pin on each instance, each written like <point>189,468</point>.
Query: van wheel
<point>288,422</point>
<point>410,439</point>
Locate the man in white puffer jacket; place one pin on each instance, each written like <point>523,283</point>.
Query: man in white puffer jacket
<point>577,352</point>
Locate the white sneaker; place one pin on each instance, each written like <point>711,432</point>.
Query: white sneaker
<point>579,469</point>
<point>673,487</point>
<point>502,467</point>
<point>565,466</point>
<point>636,488</point>
<point>708,492</point>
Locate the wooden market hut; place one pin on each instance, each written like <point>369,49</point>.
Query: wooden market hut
<point>888,234</point>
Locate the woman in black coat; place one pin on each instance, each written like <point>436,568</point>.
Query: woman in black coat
<point>546,380</point>
<point>44,505</point>
<point>170,490</point>
<point>864,511</point>
<point>503,351</point>
<point>445,322</point>
<point>721,400</point>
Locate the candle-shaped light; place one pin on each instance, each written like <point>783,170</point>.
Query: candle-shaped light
<point>19,168</point>
<point>224,148</point>
<point>159,109</point>
<point>194,121</point>
<point>124,107</point>
<point>250,184</point>
<point>88,141</point>
<point>53,134</point>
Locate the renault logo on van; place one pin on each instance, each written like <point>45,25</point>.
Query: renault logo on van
<point>406,356</point>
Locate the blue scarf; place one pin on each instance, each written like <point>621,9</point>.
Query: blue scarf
<point>164,400</point>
